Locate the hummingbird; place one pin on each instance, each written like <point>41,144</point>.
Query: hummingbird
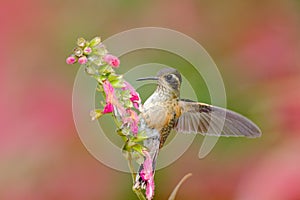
<point>164,111</point>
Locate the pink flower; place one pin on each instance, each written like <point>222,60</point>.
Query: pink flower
<point>112,60</point>
<point>132,120</point>
<point>150,189</point>
<point>148,176</point>
<point>109,91</point>
<point>82,60</point>
<point>134,123</point>
<point>71,60</point>
<point>110,97</point>
<point>87,50</point>
<point>108,108</point>
<point>113,100</point>
<point>135,98</point>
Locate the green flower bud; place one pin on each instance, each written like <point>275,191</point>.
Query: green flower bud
<point>78,52</point>
<point>81,42</point>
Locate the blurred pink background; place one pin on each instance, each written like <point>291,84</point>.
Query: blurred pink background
<point>255,44</point>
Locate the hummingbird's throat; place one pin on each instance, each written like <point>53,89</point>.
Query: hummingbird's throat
<point>166,93</point>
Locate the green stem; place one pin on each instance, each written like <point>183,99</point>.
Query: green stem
<point>139,194</point>
<point>131,166</point>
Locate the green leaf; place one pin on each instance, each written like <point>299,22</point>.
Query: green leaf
<point>95,41</point>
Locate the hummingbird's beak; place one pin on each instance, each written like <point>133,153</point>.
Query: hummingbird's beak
<point>147,78</point>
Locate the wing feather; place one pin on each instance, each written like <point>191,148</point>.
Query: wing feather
<point>215,121</point>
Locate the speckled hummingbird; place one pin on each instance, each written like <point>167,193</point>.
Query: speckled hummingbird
<point>164,110</point>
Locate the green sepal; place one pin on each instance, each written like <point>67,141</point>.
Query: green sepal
<point>114,77</point>
<point>128,104</point>
<point>125,94</point>
<point>138,148</point>
<point>116,80</point>
<point>121,134</point>
<point>96,114</point>
<point>106,70</point>
<point>119,83</point>
<point>139,138</point>
<point>99,87</point>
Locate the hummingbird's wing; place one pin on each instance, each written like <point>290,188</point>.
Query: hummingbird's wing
<point>209,120</point>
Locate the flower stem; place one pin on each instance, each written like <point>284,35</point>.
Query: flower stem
<point>138,192</point>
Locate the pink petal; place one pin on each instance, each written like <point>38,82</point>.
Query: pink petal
<point>150,189</point>
<point>136,105</point>
<point>87,50</point>
<point>111,60</point>
<point>109,92</point>
<point>134,129</point>
<point>82,60</point>
<point>70,60</point>
<point>108,88</point>
<point>135,98</point>
<point>147,175</point>
<point>108,108</point>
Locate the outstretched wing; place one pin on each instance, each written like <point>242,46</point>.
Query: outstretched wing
<point>209,120</point>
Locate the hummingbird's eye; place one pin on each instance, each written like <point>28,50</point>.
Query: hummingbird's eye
<point>169,77</point>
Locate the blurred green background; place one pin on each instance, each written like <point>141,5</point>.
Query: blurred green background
<point>255,44</point>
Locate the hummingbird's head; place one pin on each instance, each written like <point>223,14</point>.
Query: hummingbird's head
<point>168,78</point>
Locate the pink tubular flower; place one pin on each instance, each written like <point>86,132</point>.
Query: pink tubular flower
<point>108,108</point>
<point>147,175</point>
<point>109,91</point>
<point>135,98</point>
<point>150,189</point>
<point>71,60</point>
<point>134,121</point>
<point>82,60</point>
<point>110,97</point>
<point>112,60</point>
